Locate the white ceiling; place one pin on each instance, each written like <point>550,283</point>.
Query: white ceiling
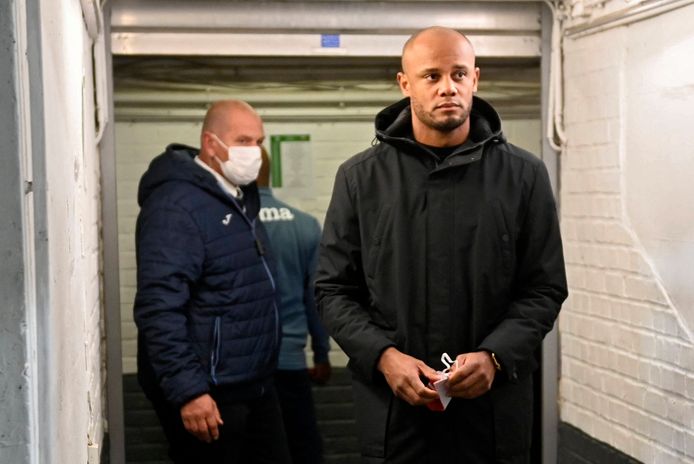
<point>179,54</point>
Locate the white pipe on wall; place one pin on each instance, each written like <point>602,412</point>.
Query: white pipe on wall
<point>555,132</point>
<point>92,13</point>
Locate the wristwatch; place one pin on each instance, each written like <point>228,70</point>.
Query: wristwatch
<point>495,361</point>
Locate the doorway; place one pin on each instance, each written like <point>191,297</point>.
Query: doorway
<point>315,69</point>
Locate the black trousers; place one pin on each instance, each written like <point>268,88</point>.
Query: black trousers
<point>252,432</point>
<point>299,414</point>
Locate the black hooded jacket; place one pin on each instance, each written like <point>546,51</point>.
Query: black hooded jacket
<point>433,256</point>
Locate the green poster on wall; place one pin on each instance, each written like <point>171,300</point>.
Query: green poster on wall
<point>291,162</point>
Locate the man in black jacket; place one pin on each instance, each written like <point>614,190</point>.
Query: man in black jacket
<point>443,238</point>
<point>208,332</point>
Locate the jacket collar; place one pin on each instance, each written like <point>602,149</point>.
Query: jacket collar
<point>177,164</point>
<point>223,182</point>
<point>394,127</point>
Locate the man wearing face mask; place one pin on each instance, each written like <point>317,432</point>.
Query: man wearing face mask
<point>208,332</point>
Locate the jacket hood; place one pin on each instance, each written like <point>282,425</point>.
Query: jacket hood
<point>176,164</point>
<point>394,123</point>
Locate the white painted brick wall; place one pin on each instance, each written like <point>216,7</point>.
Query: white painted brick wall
<point>76,334</point>
<point>627,375</point>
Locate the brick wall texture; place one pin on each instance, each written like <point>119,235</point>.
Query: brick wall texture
<point>74,334</point>
<point>627,358</point>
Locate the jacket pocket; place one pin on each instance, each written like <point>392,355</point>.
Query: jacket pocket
<point>505,237</point>
<point>372,407</point>
<point>215,348</point>
<point>375,249</point>
<point>513,419</point>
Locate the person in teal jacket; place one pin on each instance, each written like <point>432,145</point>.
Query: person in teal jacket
<point>294,237</point>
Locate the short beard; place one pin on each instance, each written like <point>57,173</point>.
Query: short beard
<point>447,125</point>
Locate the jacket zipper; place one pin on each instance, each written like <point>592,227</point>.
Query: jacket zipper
<point>272,282</point>
<point>261,253</point>
<point>216,344</point>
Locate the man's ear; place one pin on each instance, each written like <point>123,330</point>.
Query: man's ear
<point>477,79</point>
<point>206,143</point>
<point>404,84</point>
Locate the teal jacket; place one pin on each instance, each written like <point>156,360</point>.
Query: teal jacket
<point>294,237</point>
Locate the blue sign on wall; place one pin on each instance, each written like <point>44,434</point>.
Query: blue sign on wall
<point>330,40</point>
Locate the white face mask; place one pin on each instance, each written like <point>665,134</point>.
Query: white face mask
<point>243,164</point>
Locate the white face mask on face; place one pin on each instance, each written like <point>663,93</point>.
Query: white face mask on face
<point>243,164</point>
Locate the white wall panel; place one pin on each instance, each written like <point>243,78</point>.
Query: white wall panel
<point>659,168</point>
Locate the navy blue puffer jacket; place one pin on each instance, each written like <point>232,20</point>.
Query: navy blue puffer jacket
<point>205,306</point>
